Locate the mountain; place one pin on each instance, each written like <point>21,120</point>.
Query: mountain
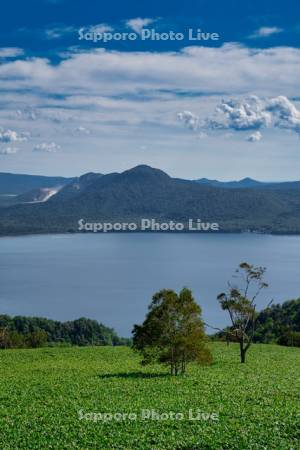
<point>11,183</point>
<point>77,185</point>
<point>144,192</point>
<point>249,183</point>
<point>36,195</point>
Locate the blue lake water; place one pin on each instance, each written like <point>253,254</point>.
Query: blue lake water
<point>111,277</point>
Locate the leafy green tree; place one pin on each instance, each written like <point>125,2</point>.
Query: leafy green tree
<point>290,339</point>
<point>4,337</point>
<point>241,306</point>
<point>36,339</point>
<point>173,332</point>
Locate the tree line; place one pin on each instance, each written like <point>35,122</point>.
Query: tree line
<point>22,332</point>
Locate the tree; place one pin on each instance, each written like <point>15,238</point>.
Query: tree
<point>36,339</point>
<point>173,332</point>
<point>240,304</point>
<point>4,337</point>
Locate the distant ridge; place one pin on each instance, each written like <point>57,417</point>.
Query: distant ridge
<point>249,183</point>
<point>12,183</point>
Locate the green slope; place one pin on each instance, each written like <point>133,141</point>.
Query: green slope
<point>42,392</point>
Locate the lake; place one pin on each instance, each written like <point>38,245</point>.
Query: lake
<point>111,277</point>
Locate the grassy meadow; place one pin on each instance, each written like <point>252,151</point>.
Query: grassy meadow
<point>43,390</point>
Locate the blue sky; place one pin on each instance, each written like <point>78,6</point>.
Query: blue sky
<point>219,108</point>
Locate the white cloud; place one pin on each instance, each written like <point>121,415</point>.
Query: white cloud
<point>11,136</point>
<point>138,23</point>
<point>82,130</point>
<point>245,114</point>
<point>254,137</point>
<point>250,113</point>
<point>202,135</point>
<point>100,28</point>
<point>59,32</point>
<point>109,89</point>
<point>45,147</point>
<point>10,52</point>
<point>266,32</point>
<point>194,69</point>
<point>285,114</point>
<point>8,151</point>
<point>26,113</point>
<point>189,119</point>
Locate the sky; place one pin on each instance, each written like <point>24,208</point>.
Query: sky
<point>195,88</point>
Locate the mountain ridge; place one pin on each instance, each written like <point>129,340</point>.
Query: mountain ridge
<point>146,192</point>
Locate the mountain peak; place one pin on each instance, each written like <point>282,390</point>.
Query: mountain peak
<point>145,172</point>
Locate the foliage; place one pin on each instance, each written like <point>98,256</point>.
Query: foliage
<point>240,304</point>
<point>277,321</point>
<point>20,331</point>
<point>42,391</point>
<point>290,338</point>
<point>173,331</point>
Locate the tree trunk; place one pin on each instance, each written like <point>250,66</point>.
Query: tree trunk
<point>242,352</point>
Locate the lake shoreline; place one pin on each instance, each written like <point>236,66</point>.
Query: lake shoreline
<point>198,232</point>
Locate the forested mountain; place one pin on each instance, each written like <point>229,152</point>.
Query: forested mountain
<point>144,192</point>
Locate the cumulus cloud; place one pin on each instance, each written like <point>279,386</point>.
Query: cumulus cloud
<point>284,112</point>
<point>254,137</point>
<point>47,147</point>
<point>247,114</point>
<point>8,151</point>
<point>11,136</point>
<point>266,32</point>
<point>189,119</point>
<point>250,113</point>
<point>138,23</point>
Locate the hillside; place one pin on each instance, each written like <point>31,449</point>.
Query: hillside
<point>278,321</point>
<point>45,394</point>
<point>144,192</point>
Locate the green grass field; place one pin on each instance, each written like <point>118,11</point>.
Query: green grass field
<point>43,390</point>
